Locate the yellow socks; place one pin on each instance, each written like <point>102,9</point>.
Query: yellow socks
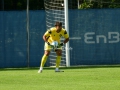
<point>58,59</point>
<point>44,58</point>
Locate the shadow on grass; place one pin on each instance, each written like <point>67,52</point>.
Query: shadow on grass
<point>71,67</point>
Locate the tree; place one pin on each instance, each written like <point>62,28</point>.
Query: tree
<point>94,4</point>
<point>21,4</point>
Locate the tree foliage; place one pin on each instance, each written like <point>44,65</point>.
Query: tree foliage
<point>94,4</point>
<point>21,4</point>
<point>39,4</point>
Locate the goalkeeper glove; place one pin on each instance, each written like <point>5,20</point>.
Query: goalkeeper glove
<point>50,45</point>
<point>61,44</point>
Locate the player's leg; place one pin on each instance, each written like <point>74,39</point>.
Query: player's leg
<point>47,49</point>
<point>58,59</point>
<point>44,59</point>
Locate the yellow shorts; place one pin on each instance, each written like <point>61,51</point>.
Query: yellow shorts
<point>48,47</point>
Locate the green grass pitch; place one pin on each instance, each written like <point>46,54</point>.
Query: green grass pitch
<point>105,78</point>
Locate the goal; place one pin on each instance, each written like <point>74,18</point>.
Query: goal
<point>56,11</point>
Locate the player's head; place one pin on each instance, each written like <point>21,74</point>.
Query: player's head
<point>58,26</point>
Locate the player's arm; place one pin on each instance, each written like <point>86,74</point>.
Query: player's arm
<point>66,40</point>
<point>46,39</point>
<point>46,36</point>
<point>66,36</point>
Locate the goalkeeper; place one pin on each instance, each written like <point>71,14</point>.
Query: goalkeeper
<point>51,35</point>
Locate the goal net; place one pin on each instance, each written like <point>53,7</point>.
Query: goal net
<point>55,12</point>
<point>94,33</point>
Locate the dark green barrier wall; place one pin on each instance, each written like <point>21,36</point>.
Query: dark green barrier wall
<point>94,37</point>
<point>13,38</point>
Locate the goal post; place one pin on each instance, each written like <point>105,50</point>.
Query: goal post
<point>57,10</point>
<point>67,29</point>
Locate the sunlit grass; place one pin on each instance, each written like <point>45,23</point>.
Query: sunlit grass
<point>71,79</point>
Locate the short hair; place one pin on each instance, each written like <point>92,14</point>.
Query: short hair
<point>58,24</point>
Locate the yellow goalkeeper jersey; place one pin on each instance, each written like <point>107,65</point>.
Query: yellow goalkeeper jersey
<point>52,35</point>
